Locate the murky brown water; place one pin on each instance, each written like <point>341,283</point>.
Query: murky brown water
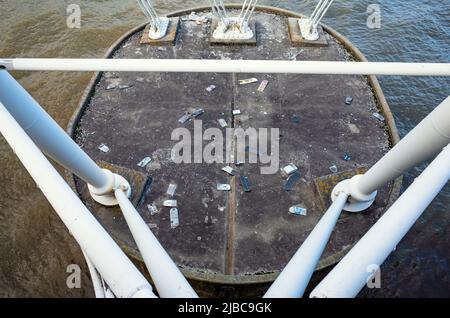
<point>35,248</point>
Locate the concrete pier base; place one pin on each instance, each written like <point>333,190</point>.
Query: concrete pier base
<point>234,243</point>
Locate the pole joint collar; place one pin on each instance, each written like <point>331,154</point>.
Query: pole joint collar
<point>357,201</point>
<point>105,195</point>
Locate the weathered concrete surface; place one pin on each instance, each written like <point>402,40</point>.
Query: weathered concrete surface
<point>236,237</point>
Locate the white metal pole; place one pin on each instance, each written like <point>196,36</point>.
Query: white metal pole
<point>96,280</point>
<point>47,134</point>
<point>294,279</point>
<point>423,142</point>
<point>352,273</point>
<point>227,66</point>
<point>168,279</point>
<point>110,261</point>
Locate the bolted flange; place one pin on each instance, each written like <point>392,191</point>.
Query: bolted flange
<point>105,196</point>
<point>357,201</point>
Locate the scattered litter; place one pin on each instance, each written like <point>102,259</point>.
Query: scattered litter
<point>104,148</point>
<point>236,112</point>
<point>298,210</point>
<point>210,88</point>
<point>199,238</point>
<point>152,209</point>
<point>334,169</point>
<point>348,100</point>
<point>145,162</point>
<point>174,218</point>
<point>229,170</point>
<point>248,81</point>
<point>125,86</point>
<point>171,190</point>
<point>185,118</point>
<point>197,19</point>
<point>347,157</point>
<point>140,80</point>
<point>170,203</point>
<point>296,119</point>
<point>245,183</point>
<point>223,187</point>
<point>288,170</point>
<point>198,112</point>
<point>223,123</point>
<point>152,226</point>
<point>291,181</point>
<point>379,117</point>
<point>110,87</point>
<point>263,86</point>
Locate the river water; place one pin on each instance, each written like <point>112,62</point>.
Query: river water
<point>35,248</point>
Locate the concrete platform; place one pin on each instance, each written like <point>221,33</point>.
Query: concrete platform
<point>234,243</point>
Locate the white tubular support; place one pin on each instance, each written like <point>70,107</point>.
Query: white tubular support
<point>95,277</point>
<point>294,279</point>
<point>54,141</point>
<point>422,143</point>
<point>168,279</point>
<point>219,10</point>
<point>112,264</point>
<point>308,26</point>
<point>247,11</point>
<point>227,66</point>
<point>158,25</point>
<point>353,272</point>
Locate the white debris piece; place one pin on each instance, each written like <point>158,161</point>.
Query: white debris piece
<point>211,88</point>
<point>104,148</point>
<point>248,81</point>
<point>174,218</point>
<point>144,162</point>
<point>298,210</point>
<point>152,209</point>
<point>288,170</point>
<point>171,190</point>
<point>223,187</point>
<point>229,170</point>
<point>379,117</point>
<point>223,123</point>
<point>170,203</point>
<point>263,86</point>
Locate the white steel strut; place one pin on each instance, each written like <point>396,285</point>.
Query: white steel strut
<point>233,28</point>
<point>158,25</point>
<point>308,26</point>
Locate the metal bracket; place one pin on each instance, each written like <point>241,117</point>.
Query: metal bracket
<point>158,25</point>
<point>233,28</point>
<point>308,26</point>
<point>357,201</point>
<point>106,196</point>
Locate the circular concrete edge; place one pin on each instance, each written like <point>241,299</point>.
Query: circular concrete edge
<point>217,278</point>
